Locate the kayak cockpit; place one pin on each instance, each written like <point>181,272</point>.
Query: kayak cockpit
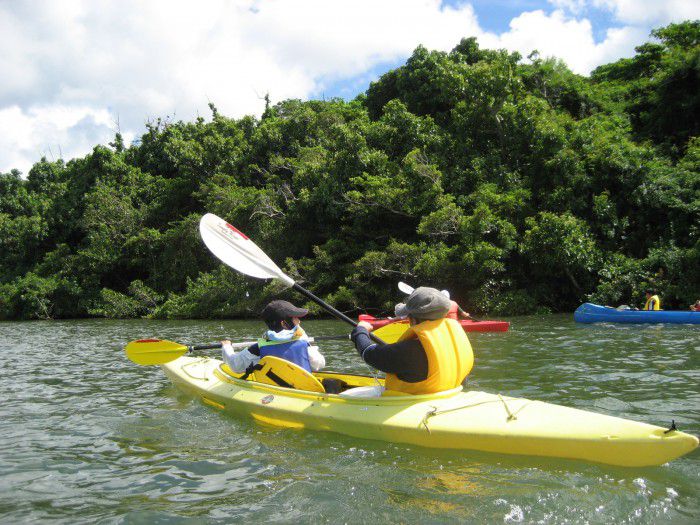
<point>332,382</point>
<point>335,384</point>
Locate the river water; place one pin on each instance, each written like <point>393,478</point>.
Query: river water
<point>89,437</point>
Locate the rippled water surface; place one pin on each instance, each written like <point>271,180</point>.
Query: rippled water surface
<point>89,437</point>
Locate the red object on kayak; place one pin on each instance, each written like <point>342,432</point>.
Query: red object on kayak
<point>469,326</point>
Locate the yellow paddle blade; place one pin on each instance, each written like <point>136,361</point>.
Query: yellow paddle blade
<point>154,351</point>
<point>391,332</point>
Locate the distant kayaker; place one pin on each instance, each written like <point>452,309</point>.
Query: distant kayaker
<point>653,301</point>
<point>695,307</point>
<point>285,338</point>
<point>433,355</point>
<point>455,311</point>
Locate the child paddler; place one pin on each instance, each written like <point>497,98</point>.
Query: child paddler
<point>285,338</point>
<point>433,355</point>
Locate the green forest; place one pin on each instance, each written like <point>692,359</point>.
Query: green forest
<point>514,183</point>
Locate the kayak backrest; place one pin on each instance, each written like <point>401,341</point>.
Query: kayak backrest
<point>275,371</point>
<point>228,371</point>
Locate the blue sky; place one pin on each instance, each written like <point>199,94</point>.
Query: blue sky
<point>495,15</point>
<point>75,72</point>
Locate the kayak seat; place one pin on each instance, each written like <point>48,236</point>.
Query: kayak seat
<point>275,371</point>
<point>228,371</point>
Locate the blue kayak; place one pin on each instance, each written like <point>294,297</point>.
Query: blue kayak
<point>594,313</point>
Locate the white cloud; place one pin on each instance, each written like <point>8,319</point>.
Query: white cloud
<point>71,69</point>
<point>566,38</point>
<point>650,13</point>
<point>73,131</point>
<point>141,60</point>
<point>653,12</point>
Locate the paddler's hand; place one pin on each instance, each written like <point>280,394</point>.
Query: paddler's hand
<point>365,325</point>
<point>360,329</point>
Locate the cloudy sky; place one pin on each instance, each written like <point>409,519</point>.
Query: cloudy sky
<point>74,71</point>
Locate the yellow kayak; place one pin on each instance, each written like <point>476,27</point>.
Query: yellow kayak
<point>455,419</point>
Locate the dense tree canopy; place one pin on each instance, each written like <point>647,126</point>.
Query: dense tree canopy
<point>516,184</point>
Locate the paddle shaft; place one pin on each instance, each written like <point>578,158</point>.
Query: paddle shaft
<point>340,315</point>
<point>158,352</point>
<point>195,348</point>
<point>344,337</point>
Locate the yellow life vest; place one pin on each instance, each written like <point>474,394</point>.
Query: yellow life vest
<point>450,357</point>
<point>657,303</point>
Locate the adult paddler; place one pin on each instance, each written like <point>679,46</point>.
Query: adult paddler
<point>455,312</point>
<point>433,355</point>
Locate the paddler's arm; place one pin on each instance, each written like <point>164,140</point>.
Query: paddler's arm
<point>463,314</point>
<point>239,361</point>
<point>406,359</point>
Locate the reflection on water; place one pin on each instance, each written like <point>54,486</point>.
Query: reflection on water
<point>90,437</point>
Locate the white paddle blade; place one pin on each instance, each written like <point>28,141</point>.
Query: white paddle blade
<point>236,250</point>
<point>405,288</point>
